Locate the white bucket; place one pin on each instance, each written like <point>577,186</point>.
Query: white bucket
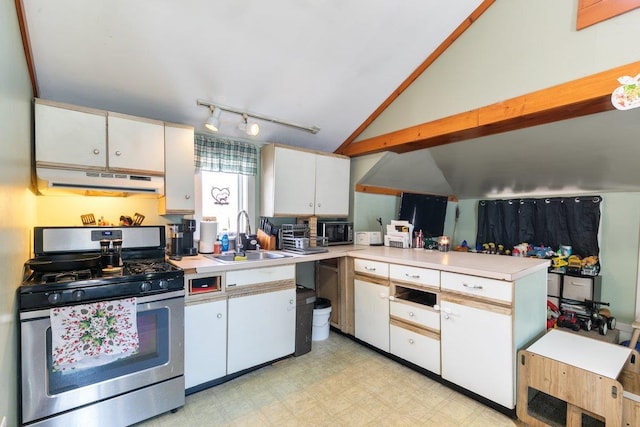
<point>320,330</point>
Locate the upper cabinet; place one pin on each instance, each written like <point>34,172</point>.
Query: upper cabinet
<point>179,171</point>
<point>297,183</point>
<point>72,137</point>
<point>135,144</point>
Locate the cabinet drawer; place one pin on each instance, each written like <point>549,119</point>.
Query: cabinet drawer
<point>372,268</point>
<point>416,348</point>
<point>579,288</point>
<point>426,317</point>
<point>416,275</point>
<point>477,286</point>
<point>553,284</point>
<point>260,275</point>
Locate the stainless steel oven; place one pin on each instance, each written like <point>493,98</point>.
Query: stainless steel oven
<point>119,392</point>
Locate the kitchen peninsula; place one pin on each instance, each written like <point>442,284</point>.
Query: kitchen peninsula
<point>461,316</point>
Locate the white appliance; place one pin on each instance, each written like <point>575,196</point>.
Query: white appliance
<point>368,238</point>
<point>52,181</point>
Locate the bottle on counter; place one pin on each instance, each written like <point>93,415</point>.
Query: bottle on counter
<point>225,240</point>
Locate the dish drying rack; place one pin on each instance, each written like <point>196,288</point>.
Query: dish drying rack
<point>296,238</point>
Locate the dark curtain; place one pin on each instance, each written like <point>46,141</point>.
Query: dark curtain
<point>553,222</point>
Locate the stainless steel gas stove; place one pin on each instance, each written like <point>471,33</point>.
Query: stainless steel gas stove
<point>80,270</point>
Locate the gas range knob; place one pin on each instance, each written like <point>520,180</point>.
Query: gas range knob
<point>145,286</point>
<point>77,295</point>
<point>163,284</point>
<point>55,298</point>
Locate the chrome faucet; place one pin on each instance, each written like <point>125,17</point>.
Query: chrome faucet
<point>247,230</point>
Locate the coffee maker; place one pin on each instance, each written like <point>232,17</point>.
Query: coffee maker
<point>188,246</point>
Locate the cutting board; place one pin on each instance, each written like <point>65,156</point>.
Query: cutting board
<point>266,241</point>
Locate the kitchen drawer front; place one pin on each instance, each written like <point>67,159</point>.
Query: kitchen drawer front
<point>578,288</point>
<point>415,275</point>
<point>427,317</point>
<point>553,284</point>
<point>416,348</point>
<point>481,287</point>
<point>260,275</point>
<point>371,268</point>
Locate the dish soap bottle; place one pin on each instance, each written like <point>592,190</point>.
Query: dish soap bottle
<point>225,240</point>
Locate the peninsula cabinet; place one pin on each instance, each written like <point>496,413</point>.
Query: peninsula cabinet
<point>299,183</point>
<point>484,322</point>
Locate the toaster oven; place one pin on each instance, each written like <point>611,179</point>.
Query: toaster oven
<point>336,232</point>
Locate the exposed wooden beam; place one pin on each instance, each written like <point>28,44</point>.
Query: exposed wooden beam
<point>413,76</point>
<point>593,11</point>
<point>584,96</point>
<point>372,189</point>
<point>24,32</point>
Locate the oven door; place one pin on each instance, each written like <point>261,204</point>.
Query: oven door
<point>160,320</point>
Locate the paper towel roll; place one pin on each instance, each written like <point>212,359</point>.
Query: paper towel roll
<point>208,235</point>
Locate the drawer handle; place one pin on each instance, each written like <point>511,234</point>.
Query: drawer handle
<point>369,268</point>
<point>466,285</point>
<point>230,285</point>
<point>411,341</point>
<point>412,276</point>
<point>576,283</point>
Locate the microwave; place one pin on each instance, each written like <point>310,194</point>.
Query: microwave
<point>336,232</point>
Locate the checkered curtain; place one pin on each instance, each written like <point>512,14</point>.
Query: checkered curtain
<point>220,154</point>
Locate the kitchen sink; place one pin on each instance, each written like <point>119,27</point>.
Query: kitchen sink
<point>250,256</point>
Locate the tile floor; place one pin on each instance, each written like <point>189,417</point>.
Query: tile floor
<point>339,383</point>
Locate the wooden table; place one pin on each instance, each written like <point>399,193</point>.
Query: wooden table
<point>565,369</point>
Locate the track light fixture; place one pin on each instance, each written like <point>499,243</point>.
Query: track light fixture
<point>213,123</point>
<point>250,129</point>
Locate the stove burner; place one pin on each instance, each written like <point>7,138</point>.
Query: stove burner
<point>148,267</point>
<point>66,276</point>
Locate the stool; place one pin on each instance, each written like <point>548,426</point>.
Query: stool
<point>636,334</point>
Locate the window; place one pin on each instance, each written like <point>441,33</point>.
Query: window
<point>222,195</point>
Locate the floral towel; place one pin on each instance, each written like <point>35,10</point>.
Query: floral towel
<point>89,335</point>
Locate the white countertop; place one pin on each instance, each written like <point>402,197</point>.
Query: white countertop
<point>492,266</point>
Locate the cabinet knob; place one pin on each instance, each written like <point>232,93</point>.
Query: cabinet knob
<point>310,205</point>
<point>118,153</point>
<point>96,151</point>
<point>187,196</point>
<point>411,341</point>
<point>291,301</point>
<point>445,316</point>
<point>219,316</point>
<point>383,295</point>
<point>411,314</point>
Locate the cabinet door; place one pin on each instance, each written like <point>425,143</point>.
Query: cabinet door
<point>294,185</point>
<point>70,137</point>
<point>262,328</point>
<point>135,145</point>
<point>420,349</point>
<point>477,351</point>
<point>205,342</point>
<point>332,186</point>
<point>371,303</point>
<point>179,171</point>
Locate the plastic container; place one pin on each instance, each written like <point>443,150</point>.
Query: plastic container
<point>225,241</point>
<point>321,315</point>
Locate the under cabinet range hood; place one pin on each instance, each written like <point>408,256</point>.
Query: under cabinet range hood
<point>98,183</point>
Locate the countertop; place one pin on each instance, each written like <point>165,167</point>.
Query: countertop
<point>492,266</point>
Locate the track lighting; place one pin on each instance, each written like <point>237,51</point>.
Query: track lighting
<point>250,129</point>
<point>213,123</point>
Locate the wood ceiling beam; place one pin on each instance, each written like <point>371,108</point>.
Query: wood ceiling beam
<point>584,96</point>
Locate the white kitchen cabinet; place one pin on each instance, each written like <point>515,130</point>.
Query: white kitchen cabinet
<point>417,346</point>
<point>70,136</point>
<point>179,171</point>
<point>205,342</point>
<point>303,183</point>
<point>261,328</point>
<point>73,137</point>
<point>135,144</point>
<point>477,350</point>
<point>371,305</point>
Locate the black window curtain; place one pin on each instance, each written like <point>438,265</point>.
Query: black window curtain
<point>553,222</point>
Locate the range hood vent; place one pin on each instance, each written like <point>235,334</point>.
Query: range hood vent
<point>60,181</point>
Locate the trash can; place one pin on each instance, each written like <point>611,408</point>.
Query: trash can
<point>321,314</point>
<point>305,298</point>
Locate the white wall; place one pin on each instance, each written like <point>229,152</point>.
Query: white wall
<point>17,203</point>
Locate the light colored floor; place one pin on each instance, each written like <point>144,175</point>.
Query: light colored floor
<point>339,383</point>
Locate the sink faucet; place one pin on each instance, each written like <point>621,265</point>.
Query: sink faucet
<point>239,246</point>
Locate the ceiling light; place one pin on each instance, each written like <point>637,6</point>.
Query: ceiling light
<point>250,129</point>
<point>213,123</point>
